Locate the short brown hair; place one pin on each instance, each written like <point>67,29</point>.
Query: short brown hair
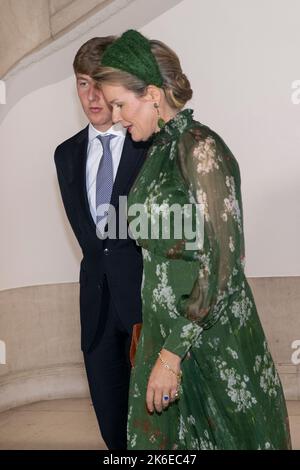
<point>88,56</point>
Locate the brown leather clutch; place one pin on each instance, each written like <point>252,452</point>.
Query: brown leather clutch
<point>136,331</point>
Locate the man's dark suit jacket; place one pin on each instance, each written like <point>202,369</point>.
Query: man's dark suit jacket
<point>117,261</point>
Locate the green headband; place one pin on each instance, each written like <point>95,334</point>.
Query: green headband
<point>132,53</point>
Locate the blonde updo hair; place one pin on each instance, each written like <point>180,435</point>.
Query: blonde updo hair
<point>176,85</point>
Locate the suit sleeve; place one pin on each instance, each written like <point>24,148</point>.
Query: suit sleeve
<point>65,195</point>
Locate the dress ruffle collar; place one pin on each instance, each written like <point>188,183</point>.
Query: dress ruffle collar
<point>176,126</point>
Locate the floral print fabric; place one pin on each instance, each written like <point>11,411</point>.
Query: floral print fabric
<point>197,304</point>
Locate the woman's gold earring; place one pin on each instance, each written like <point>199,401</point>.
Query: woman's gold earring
<point>160,121</point>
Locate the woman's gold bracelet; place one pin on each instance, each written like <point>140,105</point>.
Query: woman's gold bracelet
<point>166,365</point>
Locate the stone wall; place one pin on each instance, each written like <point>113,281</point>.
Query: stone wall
<point>41,329</point>
<point>27,25</point>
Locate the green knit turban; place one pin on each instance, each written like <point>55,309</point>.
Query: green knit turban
<point>132,53</point>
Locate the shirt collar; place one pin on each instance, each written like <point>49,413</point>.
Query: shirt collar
<point>115,129</point>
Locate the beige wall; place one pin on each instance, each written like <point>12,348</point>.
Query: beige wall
<point>41,328</point>
<point>26,25</point>
<point>66,13</point>
<point>252,111</point>
<point>36,243</point>
<point>241,70</point>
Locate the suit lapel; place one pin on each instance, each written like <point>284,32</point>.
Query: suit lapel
<point>82,154</point>
<point>73,160</point>
<point>77,174</point>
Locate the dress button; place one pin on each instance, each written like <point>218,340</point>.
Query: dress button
<point>106,251</point>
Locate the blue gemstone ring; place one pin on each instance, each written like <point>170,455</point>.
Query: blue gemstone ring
<point>166,398</point>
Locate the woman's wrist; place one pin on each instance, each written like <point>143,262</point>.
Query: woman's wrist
<point>171,358</point>
<point>171,362</point>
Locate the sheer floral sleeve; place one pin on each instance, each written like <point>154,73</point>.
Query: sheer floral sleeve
<point>212,175</point>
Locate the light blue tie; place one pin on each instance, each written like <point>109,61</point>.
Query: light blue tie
<point>104,182</point>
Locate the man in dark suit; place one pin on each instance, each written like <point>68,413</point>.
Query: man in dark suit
<point>111,269</point>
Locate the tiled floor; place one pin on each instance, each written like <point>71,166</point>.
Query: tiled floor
<point>71,424</point>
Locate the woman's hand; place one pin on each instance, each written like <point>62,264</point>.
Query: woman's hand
<point>163,382</point>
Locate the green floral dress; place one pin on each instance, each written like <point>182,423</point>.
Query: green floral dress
<point>197,303</point>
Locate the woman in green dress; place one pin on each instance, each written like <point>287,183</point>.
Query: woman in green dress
<point>203,376</point>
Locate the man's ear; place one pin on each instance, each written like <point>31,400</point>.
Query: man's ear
<point>153,94</point>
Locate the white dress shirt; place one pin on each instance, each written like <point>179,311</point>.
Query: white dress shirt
<point>94,155</point>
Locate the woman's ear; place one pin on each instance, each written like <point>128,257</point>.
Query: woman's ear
<point>153,94</point>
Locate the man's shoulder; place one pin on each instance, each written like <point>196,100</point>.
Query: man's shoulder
<point>74,140</point>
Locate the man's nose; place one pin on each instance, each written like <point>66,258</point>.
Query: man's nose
<point>92,93</point>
